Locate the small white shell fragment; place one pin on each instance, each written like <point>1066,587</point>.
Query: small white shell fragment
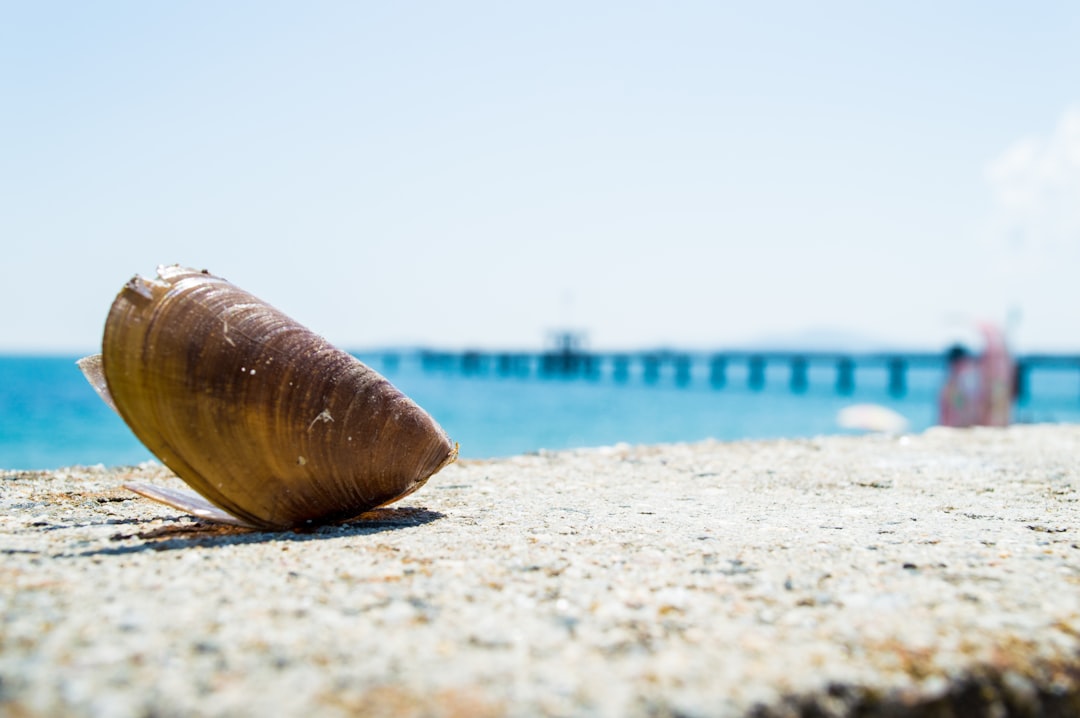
<point>186,500</point>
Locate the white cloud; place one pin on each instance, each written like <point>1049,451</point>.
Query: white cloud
<point>1036,183</point>
<point>1035,235</point>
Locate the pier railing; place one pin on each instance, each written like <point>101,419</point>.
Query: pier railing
<point>683,366</point>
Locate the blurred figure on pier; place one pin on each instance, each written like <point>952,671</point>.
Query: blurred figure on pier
<point>979,391</point>
<point>958,402</point>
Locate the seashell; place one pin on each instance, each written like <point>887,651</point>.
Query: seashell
<point>272,426</point>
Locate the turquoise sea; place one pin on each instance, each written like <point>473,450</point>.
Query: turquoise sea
<point>50,417</point>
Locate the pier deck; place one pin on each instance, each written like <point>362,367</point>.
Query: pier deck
<point>683,366</point>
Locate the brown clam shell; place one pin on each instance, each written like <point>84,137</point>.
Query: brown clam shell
<point>259,415</point>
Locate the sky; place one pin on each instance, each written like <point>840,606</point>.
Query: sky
<point>472,174</point>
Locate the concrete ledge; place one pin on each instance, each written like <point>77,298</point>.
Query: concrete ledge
<point>934,574</point>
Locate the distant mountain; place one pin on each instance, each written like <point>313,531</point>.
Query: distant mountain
<point>820,339</point>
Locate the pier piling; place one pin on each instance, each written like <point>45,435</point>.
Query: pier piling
<point>897,377</point>
<point>651,368</point>
<point>682,370</point>
<point>845,375</point>
<point>718,372</point>
<point>799,379</point>
<point>756,377</point>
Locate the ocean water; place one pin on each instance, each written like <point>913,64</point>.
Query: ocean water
<point>50,417</point>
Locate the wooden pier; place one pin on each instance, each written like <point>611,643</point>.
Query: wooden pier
<point>683,367</point>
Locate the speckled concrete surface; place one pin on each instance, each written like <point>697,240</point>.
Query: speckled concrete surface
<point>937,573</point>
